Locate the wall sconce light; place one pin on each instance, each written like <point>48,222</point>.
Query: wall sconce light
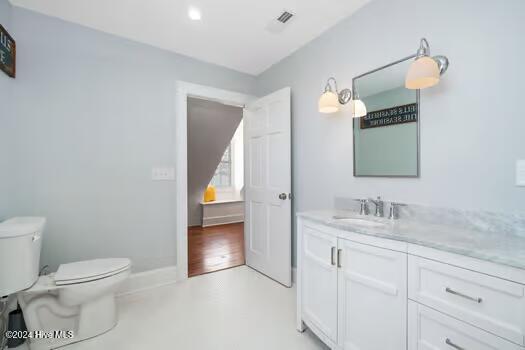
<point>425,71</point>
<point>330,101</point>
<point>358,107</point>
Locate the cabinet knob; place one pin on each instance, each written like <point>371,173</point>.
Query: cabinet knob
<point>283,196</point>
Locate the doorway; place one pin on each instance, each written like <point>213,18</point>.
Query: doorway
<point>267,194</point>
<point>215,149</point>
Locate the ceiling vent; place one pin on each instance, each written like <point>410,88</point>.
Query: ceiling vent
<point>277,25</point>
<point>285,17</point>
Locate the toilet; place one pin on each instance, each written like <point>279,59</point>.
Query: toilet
<point>79,297</point>
<point>77,301</point>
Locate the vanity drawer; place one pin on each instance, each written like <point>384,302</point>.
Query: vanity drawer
<point>429,329</point>
<point>487,302</point>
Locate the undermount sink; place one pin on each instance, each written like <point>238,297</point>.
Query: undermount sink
<point>357,221</point>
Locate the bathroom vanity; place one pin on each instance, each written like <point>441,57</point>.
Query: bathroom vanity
<point>367,283</point>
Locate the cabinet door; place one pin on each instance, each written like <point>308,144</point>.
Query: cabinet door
<point>319,281</point>
<point>372,311</point>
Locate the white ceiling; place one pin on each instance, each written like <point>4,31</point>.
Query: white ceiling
<point>232,33</point>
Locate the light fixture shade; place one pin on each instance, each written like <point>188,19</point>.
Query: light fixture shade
<point>328,102</point>
<point>194,14</point>
<point>358,109</point>
<point>423,73</point>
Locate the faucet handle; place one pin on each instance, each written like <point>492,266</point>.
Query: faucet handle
<point>394,206</point>
<point>363,210</point>
<point>360,200</point>
<point>379,206</point>
<point>375,201</point>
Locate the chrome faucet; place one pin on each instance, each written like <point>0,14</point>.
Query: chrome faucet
<point>379,206</point>
<point>363,210</point>
<point>394,214</point>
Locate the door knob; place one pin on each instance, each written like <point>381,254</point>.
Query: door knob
<point>283,196</point>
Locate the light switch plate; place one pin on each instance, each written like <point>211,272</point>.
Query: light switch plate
<point>520,173</point>
<point>163,174</point>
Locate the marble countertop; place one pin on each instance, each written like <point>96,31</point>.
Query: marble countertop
<point>501,248</point>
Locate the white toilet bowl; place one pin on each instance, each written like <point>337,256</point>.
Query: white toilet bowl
<point>79,297</point>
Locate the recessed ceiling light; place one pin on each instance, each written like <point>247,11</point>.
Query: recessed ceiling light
<point>194,14</point>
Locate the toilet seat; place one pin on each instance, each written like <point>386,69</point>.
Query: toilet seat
<point>80,297</point>
<point>91,270</point>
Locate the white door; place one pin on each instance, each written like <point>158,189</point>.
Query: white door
<point>319,280</point>
<point>268,236</point>
<point>372,307</point>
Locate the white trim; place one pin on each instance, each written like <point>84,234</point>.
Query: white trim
<point>183,90</point>
<point>223,201</point>
<point>141,281</point>
<point>222,220</point>
<point>237,149</point>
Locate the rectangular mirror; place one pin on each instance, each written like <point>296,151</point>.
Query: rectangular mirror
<point>386,140</point>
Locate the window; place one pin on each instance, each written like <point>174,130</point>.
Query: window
<point>223,175</point>
<point>229,175</point>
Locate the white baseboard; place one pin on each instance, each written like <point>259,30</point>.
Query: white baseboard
<point>222,220</point>
<point>141,281</point>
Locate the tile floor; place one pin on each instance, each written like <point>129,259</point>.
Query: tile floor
<point>234,309</point>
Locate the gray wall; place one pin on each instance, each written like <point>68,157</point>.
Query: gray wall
<point>94,113</point>
<point>472,124</point>
<point>6,116</point>
<point>211,126</point>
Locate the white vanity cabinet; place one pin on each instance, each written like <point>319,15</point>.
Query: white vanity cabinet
<point>348,291</point>
<point>490,303</point>
<point>319,280</point>
<point>372,297</point>
<point>432,330</point>
<point>362,292</point>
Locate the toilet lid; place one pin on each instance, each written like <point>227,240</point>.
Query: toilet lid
<point>85,271</point>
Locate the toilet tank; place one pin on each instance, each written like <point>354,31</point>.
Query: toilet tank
<point>20,245</point>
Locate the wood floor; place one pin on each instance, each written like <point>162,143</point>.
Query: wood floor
<point>215,248</point>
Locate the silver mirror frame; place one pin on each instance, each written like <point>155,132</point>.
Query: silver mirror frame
<point>411,57</point>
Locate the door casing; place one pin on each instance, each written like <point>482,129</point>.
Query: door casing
<point>183,91</point>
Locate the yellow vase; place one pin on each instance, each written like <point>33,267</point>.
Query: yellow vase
<point>209,194</point>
